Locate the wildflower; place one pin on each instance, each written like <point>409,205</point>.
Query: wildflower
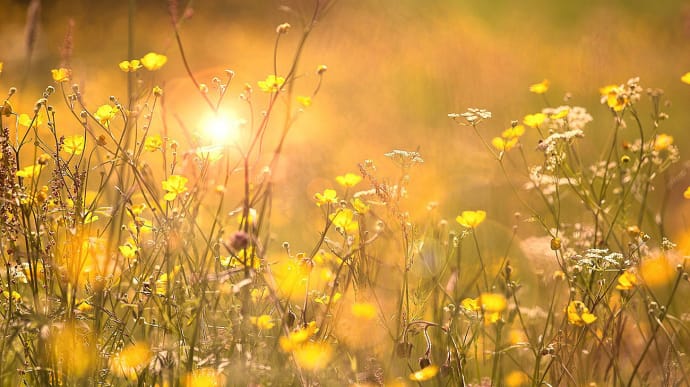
<point>1,67</point>
<point>174,185</point>
<point>349,179</point>
<point>359,206</point>
<point>153,61</point>
<point>157,91</point>
<point>60,75</point>
<point>471,304</point>
<point>271,84</point>
<point>627,280</point>
<point>105,113</point>
<point>28,121</point>
<point>471,219</point>
<point>83,306</point>
<point>73,145</point>
<point>425,373</point>
<point>504,145</point>
<point>204,377</point>
<point>30,171</point>
<point>685,78</point>
<point>578,314</point>
<point>320,69</point>
<point>662,141</point>
<point>516,379</point>
<point>686,194</point>
<point>657,271</point>
<point>329,196</point>
<point>313,356</point>
<point>293,340</point>
<point>131,360</point>
<point>493,302</point>
<point>534,120</point>
<point>283,28</point>
<point>262,322</point>
<point>130,66</point>
<point>614,97</point>
<point>128,250</point>
<point>513,132</point>
<point>164,279</point>
<point>473,116</point>
<point>153,143</point>
<point>325,299</point>
<point>404,159</point>
<point>540,88</point>
<point>304,101</point>
<point>16,297</point>
<point>344,219</point>
<point>364,310</point>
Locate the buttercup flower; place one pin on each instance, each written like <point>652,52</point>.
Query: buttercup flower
<point>328,196</point>
<point>304,101</point>
<point>349,179</point>
<point>471,219</point>
<point>425,373</point>
<point>271,84</point>
<point>578,314</point>
<point>540,88</point>
<point>174,185</point>
<point>73,145</point>
<point>105,113</point>
<point>153,143</point>
<point>685,78</point>
<point>662,142</point>
<point>130,66</point>
<point>534,120</point>
<point>153,61</point>
<point>60,75</point>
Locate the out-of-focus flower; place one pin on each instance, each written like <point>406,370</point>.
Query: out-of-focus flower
<point>153,61</point>
<point>304,100</point>
<point>627,280</point>
<point>534,120</point>
<point>30,171</point>
<point>349,179</point>
<point>130,66</point>
<point>313,356</point>
<point>578,314</point>
<point>329,196</point>
<point>364,310</point>
<point>685,78</point>
<point>540,88</point>
<point>131,360</point>
<point>425,373</point>
<point>73,145</point>
<point>686,194</point>
<point>153,143</point>
<point>662,141</point>
<point>263,322</point>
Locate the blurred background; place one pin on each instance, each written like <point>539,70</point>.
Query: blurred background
<point>396,68</point>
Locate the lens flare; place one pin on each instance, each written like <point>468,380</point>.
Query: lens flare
<point>221,128</point>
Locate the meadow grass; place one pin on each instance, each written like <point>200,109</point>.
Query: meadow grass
<point>138,255</point>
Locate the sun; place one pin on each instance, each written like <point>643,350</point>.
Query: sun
<point>221,128</point>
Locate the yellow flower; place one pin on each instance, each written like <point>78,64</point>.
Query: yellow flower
<point>578,314</point>
<point>157,91</point>
<point>16,297</point>
<point>304,101</point>
<point>662,142</point>
<point>105,113</point>
<point>540,88</point>
<point>60,75</point>
<point>685,78</point>
<point>359,206</point>
<point>504,145</point>
<point>153,143</point>
<point>262,322</point>
<point>153,61</point>
<point>686,194</point>
<point>493,302</point>
<point>272,84</point>
<point>73,145</point>
<point>516,379</point>
<point>657,271</point>
<point>614,98</point>
<point>471,304</point>
<point>174,185</point>
<point>364,310</point>
<point>329,196</point>
<point>471,219</point>
<point>1,67</point>
<point>204,377</point>
<point>513,132</point>
<point>130,66</point>
<point>425,373</point>
<point>313,356</point>
<point>131,360</point>
<point>297,338</point>
<point>345,220</point>
<point>30,171</point>
<point>349,180</point>
<point>534,120</point>
<point>128,250</point>
<point>29,121</point>
<point>627,280</point>
<point>561,113</point>
<point>164,279</point>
